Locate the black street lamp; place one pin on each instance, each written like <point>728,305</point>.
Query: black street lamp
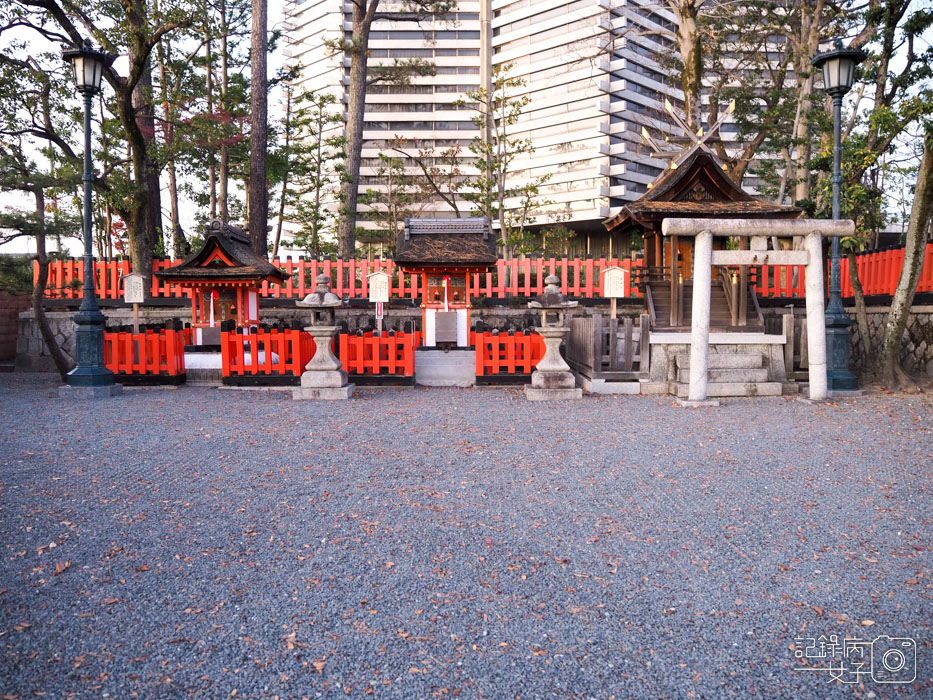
<point>838,66</point>
<point>90,373</point>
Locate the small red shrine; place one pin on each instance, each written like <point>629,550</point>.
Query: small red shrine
<point>224,277</point>
<point>445,252</point>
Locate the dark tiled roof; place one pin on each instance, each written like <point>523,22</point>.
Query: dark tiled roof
<point>447,242</point>
<point>698,187</point>
<point>710,208</point>
<point>234,244</point>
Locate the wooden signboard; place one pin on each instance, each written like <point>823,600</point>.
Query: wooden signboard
<point>613,286</point>
<point>378,287</point>
<point>134,293</point>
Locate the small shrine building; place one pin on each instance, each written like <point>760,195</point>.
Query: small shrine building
<point>224,278</point>
<point>694,186</point>
<point>444,252</point>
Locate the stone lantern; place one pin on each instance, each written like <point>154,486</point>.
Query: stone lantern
<point>323,378</point>
<point>552,378</point>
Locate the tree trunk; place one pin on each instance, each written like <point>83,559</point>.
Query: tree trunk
<point>211,168</point>
<point>284,193</point>
<point>152,189</point>
<point>223,195</point>
<point>179,244</point>
<point>896,320</point>
<point>691,55</point>
<point>136,115</point>
<point>806,45</point>
<point>356,99</point>
<point>38,291</point>
<point>861,315</point>
<point>258,195</point>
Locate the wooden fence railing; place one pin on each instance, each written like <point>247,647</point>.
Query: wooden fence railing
<point>152,354</point>
<point>880,271</point>
<point>506,353</point>
<point>274,353</point>
<point>608,348</point>
<point>389,355</point>
<point>580,277</point>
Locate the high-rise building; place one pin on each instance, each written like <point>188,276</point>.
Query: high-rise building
<point>593,73</point>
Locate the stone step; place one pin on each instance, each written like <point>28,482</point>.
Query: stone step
<point>728,375</point>
<point>724,361</point>
<point>723,389</point>
<point>439,368</point>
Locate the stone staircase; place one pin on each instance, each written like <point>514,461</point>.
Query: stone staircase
<point>720,317</point>
<point>728,375</point>
<point>445,368</point>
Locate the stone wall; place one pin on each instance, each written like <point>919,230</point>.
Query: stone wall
<point>917,354</point>
<point>32,354</point>
<point>10,307</point>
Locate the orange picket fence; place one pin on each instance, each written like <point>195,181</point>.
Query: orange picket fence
<point>276,356</point>
<point>580,277</point>
<point>880,271</point>
<point>369,356</point>
<point>147,357</point>
<point>506,353</point>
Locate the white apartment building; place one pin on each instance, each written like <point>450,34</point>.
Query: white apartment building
<point>591,74</point>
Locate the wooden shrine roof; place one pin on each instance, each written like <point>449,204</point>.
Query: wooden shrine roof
<point>447,242</point>
<point>225,257</point>
<point>695,186</point>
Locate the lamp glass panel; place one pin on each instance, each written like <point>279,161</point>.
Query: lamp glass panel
<point>849,71</point>
<point>77,65</point>
<point>91,73</point>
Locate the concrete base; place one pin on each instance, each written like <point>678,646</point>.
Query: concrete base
<point>601,386</point>
<point>325,393</point>
<point>323,379</point>
<point>533,393</point>
<point>685,403</point>
<point>84,393</point>
<point>654,388</point>
<point>439,368</point>
<point>739,388</point>
<point>845,394</point>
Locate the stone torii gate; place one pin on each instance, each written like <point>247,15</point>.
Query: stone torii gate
<point>759,230</point>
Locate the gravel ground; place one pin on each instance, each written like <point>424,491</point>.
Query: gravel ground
<point>455,543</point>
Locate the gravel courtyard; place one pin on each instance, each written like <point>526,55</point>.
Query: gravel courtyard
<point>426,543</point>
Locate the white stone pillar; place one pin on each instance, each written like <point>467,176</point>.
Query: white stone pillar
<point>699,330</point>
<point>816,316</point>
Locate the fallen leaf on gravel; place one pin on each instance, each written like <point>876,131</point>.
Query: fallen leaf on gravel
<point>111,601</point>
<point>22,626</point>
<point>868,623</point>
<point>319,666</point>
<point>61,567</point>
<point>144,567</point>
<point>817,609</point>
<point>390,564</point>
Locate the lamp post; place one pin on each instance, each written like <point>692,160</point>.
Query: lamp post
<point>838,67</point>
<point>90,375</point>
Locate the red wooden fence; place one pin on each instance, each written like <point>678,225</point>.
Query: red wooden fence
<point>579,278</point>
<point>260,352</point>
<point>880,271</point>
<point>154,353</point>
<point>388,355</point>
<point>504,353</point>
